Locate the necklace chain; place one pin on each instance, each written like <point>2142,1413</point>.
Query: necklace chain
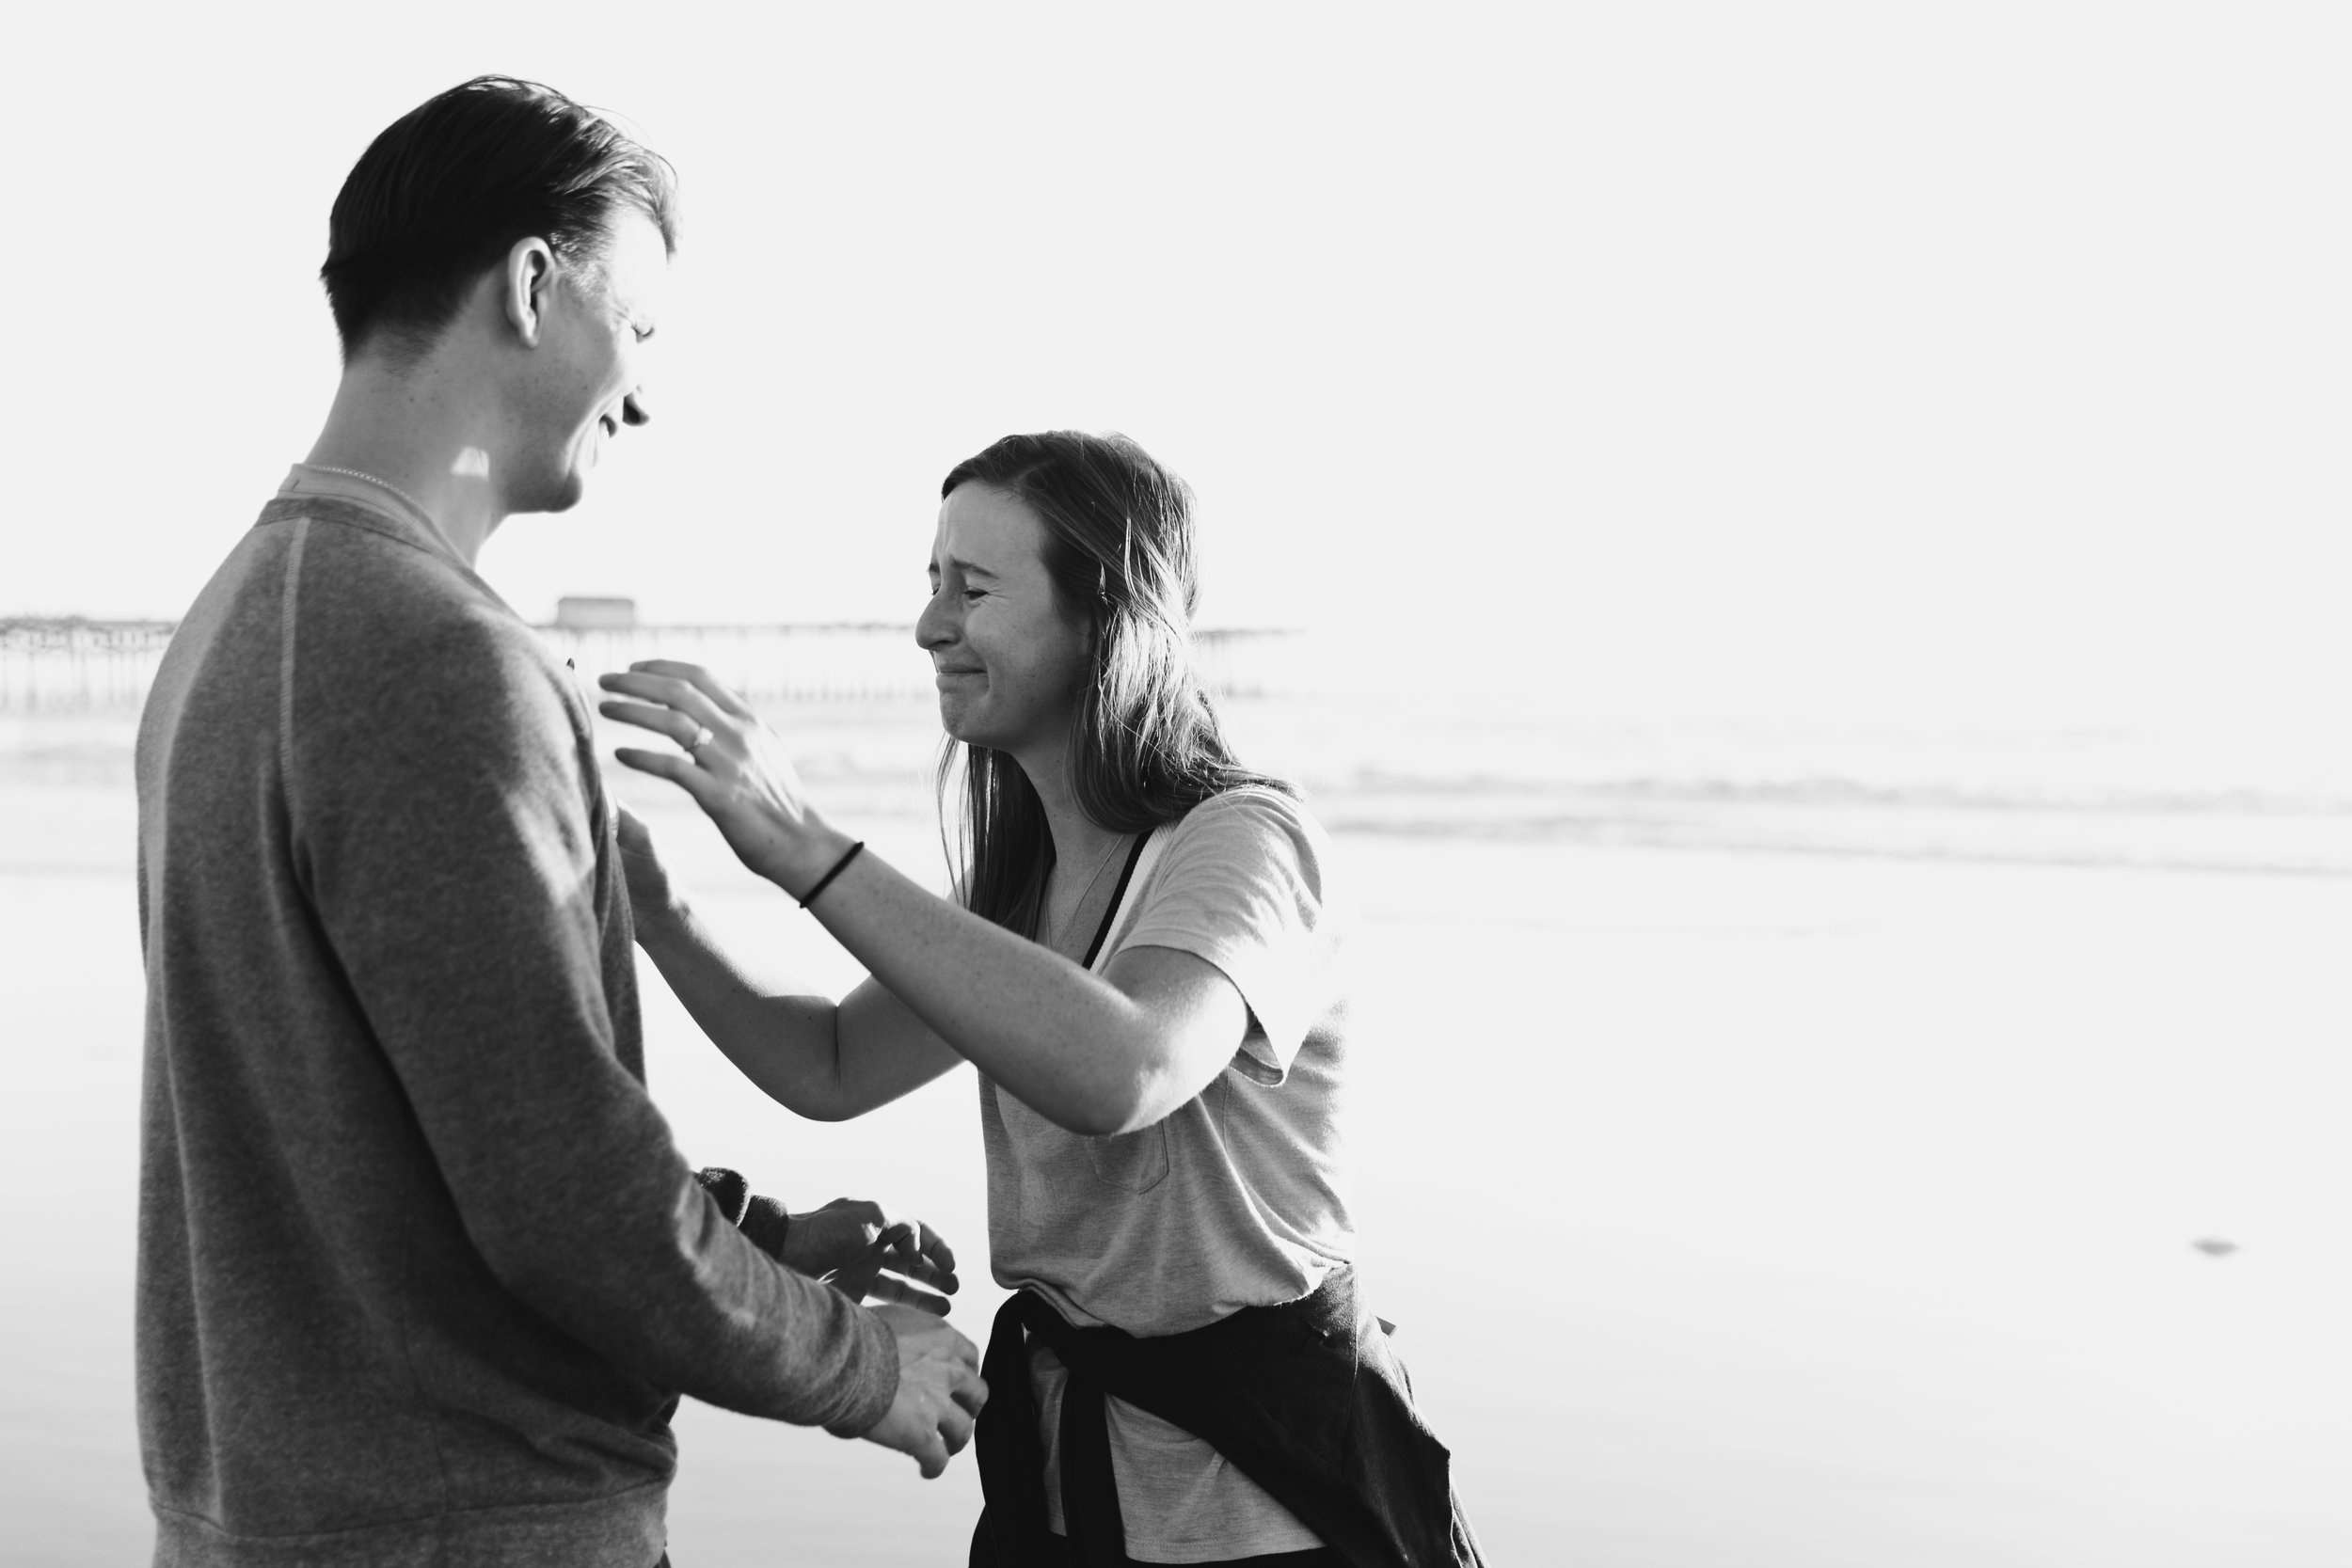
<point>354,473</point>
<point>1100,867</point>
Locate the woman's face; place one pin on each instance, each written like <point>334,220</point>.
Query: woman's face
<point>1011,666</point>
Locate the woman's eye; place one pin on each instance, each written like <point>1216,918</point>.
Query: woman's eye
<point>972,593</point>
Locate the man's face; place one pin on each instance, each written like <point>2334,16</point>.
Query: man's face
<point>584,381</point>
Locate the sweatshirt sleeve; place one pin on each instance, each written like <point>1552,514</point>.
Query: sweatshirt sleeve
<point>444,821</point>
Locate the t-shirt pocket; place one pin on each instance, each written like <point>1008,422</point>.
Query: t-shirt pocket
<point>1131,1161</point>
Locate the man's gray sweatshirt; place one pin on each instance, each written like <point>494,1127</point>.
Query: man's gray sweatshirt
<point>420,1272</point>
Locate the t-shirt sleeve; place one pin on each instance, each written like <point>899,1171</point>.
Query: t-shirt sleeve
<point>1241,886</point>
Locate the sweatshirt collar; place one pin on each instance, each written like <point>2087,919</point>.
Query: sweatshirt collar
<point>307,479</point>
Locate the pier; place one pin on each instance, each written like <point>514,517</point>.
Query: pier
<point>74,665</point>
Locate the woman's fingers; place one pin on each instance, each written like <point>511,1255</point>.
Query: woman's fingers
<point>670,691</point>
<point>679,770</point>
<point>650,890</point>
<point>746,781</point>
<point>662,721</point>
<point>700,680</point>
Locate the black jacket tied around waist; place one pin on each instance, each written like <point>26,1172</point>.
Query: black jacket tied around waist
<point>1305,1398</point>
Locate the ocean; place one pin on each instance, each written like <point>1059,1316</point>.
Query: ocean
<point>1778,1144</point>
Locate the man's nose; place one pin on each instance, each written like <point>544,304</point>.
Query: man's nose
<point>634,409</point>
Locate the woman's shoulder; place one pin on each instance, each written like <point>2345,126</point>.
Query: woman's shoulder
<point>1249,808</point>
<point>1251,822</point>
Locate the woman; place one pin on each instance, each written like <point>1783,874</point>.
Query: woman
<point>1142,963</point>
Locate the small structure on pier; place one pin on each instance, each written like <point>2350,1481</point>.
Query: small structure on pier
<point>580,613</point>
<point>81,666</point>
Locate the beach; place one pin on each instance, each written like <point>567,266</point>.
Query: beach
<point>1774,1149</point>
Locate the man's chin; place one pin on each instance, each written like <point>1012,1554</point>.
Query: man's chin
<point>559,494</point>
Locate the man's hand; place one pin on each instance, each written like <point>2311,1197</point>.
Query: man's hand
<point>853,1245</point>
<point>940,1392</point>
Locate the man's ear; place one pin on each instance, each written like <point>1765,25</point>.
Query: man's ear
<point>529,273</point>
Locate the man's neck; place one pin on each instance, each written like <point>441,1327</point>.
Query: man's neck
<point>425,435</point>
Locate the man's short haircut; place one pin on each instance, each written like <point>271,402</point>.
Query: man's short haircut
<point>449,188</point>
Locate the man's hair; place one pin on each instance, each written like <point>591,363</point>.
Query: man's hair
<point>448,187</point>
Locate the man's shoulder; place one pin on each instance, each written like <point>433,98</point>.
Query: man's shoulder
<point>383,626</point>
<point>350,552</point>
<point>371,589</point>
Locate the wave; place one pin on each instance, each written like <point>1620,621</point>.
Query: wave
<point>2173,830</point>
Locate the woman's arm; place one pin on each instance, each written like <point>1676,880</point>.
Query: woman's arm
<point>1095,1055</point>
<point>826,1061</point>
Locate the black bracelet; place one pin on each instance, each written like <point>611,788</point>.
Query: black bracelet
<point>839,866</point>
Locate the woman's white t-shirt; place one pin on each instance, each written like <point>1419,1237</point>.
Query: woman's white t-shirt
<point>1233,1200</point>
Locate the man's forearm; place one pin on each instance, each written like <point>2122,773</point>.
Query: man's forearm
<point>472,916</point>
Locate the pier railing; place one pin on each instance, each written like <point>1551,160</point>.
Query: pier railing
<point>80,666</point>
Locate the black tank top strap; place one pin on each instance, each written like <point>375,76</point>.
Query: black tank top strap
<point>1126,875</point>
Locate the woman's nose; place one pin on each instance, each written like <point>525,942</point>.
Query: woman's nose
<point>934,627</point>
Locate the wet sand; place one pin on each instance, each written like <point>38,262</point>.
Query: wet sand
<point>1737,1207</point>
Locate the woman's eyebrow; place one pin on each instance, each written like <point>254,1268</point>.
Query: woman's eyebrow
<point>968,569</point>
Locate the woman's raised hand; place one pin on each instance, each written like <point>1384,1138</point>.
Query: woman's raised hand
<point>732,765</point>
<point>651,894</point>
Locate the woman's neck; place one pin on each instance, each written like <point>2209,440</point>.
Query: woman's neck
<point>1081,845</point>
<point>1078,839</point>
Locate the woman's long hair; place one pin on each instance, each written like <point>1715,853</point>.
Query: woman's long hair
<point>1145,746</point>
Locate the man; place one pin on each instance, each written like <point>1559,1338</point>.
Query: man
<point>420,1272</point>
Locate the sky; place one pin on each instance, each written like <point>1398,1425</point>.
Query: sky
<point>1967,363</point>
